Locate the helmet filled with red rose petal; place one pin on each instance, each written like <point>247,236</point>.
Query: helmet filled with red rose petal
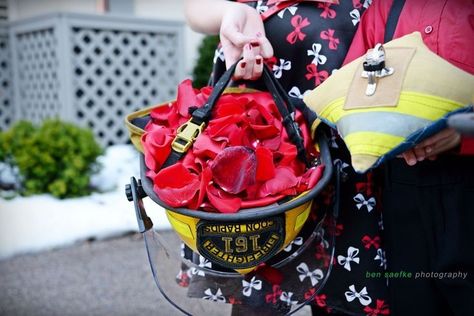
<point>236,175</point>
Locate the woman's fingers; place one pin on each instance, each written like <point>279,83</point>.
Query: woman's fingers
<point>258,68</point>
<point>249,58</point>
<point>265,46</point>
<point>251,65</point>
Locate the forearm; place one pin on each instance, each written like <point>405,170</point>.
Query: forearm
<point>205,16</point>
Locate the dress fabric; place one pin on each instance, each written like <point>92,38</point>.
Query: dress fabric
<point>428,207</point>
<point>310,41</point>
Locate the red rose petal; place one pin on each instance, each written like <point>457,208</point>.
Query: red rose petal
<point>223,201</point>
<point>165,115</point>
<point>265,166</point>
<point>205,179</point>
<point>221,128</point>
<point>175,185</point>
<point>286,154</point>
<point>234,169</point>
<point>284,179</point>
<point>204,147</point>
<point>186,97</point>
<point>156,146</point>
<point>229,105</point>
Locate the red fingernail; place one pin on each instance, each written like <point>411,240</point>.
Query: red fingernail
<point>255,44</point>
<point>258,61</point>
<point>243,64</point>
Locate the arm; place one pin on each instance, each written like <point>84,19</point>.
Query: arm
<point>205,16</point>
<point>240,29</point>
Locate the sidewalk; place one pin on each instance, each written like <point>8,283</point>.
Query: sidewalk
<point>107,277</point>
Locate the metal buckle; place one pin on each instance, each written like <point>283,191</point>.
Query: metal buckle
<point>374,67</point>
<point>185,136</point>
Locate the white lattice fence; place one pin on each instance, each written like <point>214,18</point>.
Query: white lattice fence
<point>6,106</point>
<point>38,80</point>
<point>93,70</point>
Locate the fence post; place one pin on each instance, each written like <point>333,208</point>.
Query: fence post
<point>64,53</point>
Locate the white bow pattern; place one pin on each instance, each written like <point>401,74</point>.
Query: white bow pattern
<point>292,9</point>
<point>253,284</point>
<point>314,51</point>
<point>381,256</point>
<point>297,241</point>
<point>314,275</point>
<point>351,256</point>
<point>296,93</point>
<point>261,8</point>
<point>360,199</point>
<point>286,297</point>
<point>362,296</point>
<point>284,65</point>
<point>218,297</point>
<point>203,263</point>
<point>219,53</point>
<point>355,15</point>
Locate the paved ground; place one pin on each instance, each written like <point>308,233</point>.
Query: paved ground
<point>94,278</point>
<point>97,278</point>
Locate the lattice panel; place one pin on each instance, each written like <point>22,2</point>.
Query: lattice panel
<point>38,80</point>
<point>117,72</point>
<point>6,106</point>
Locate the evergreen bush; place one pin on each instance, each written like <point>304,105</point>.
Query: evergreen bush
<point>56,157</point>
<point>203,68</point>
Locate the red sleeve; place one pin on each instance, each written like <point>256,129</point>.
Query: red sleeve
<point>371,29</point>
<point>467,145</point>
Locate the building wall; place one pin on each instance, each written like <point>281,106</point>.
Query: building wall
<point>159,9</point>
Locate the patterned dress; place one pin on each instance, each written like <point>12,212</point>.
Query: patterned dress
<point>310,40</point>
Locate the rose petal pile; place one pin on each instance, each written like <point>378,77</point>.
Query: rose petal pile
<point>242,159</point>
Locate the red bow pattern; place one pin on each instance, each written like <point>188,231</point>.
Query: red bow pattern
<point>274,297</point>
<point>369,242</point>
<point>298,23</point>
<point>319,76</point>
<point>328,12</point>
<point>329,35</point>
<point>380,309</point>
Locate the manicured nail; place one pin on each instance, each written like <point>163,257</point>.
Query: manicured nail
<point>243,64</point>
<point>258,61</point>
<point>255,44</point>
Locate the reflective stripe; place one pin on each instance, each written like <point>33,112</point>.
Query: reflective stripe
<point>412,103</point>
<point>382,122</point>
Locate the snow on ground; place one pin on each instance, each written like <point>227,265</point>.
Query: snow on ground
<point>36,223</point>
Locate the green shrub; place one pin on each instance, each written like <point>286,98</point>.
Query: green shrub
<point>56,157</point>
<point>203,68</point>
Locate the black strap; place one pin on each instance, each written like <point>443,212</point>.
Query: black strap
<point>282,101</point>
<point>392,19</point>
